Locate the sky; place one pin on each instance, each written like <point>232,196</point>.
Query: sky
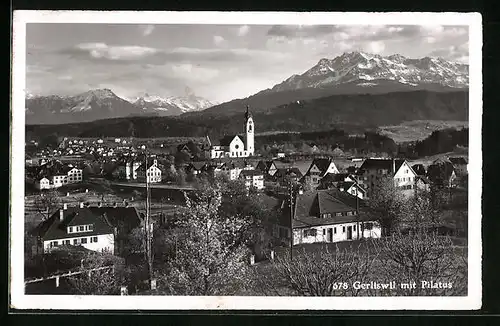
<point>217,62</point>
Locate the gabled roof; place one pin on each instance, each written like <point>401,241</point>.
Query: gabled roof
<point>281,172</point>
<point>142,167</point>
<point>226,140</point>
<point>383,164</point>
<point>198,165</point>
<point>250,173</point>
<point>334,177</point>
<point>348,184</point>
<point>311,204</point>
<point>104,220</point>
<point>458,161</point>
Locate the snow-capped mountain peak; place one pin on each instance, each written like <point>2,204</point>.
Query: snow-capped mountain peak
<point>173,104</point>
<point>362,66</point>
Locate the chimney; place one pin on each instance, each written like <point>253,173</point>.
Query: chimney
<point>61,215</point>
<point>81,204</point>
<point>65,206</point>
<point>393,166</point>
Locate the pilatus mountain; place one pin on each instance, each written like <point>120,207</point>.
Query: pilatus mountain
<point>357,73</point>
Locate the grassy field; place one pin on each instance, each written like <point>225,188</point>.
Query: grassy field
<point>418,129</point>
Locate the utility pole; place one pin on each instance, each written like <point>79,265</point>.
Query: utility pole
<point>357,210</point>
<point>148,229</point>
<point>291,221</point>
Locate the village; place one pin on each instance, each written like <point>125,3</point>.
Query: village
<point>91,195</point>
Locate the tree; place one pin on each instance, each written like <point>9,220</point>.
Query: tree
<point>180,178</point>
<point>98,282</point>
<point>419,257</point>
<point>386,204</point>
<point>324,272</point>
<point>47,203</point>
<point>211,258</point>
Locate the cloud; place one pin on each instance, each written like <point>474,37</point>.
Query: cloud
<point>243,30</point>
<point>146,29</point>
<point>458,53</point>
<point>118,53</point>
<point>375,47</point>
<point>219,40</point>
<point>190,71</point>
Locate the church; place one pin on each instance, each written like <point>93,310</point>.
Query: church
<point>235,145</point>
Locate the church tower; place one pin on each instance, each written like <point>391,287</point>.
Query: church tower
<point>249,129</point>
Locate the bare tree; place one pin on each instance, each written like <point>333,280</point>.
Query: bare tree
<point>97,282</point>
<point>325,272</point>
<point>429,260</point>
<point>47,203</point>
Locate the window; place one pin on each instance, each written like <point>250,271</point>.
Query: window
<point>324,231</point>
<point>84,240</point>
<point>354,228</point>
<point>93,239</point>
<point>80,228</point>
<point>67,242</point>
<point>54,244</point>
<point>338,214</point>
<point>349,213</point>
<point>75,242</point>
<point>335,230</point>
<point>343,229</point>
<point>368,226</point>
<point>70,229</point>
<point>310,233</point>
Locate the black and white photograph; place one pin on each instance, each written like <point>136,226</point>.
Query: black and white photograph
<point>232,160</point>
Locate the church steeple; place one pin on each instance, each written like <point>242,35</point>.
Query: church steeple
<point>247,114</point>
<point>249,125</point>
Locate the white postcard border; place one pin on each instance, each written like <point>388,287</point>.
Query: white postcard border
<point>21,301</point>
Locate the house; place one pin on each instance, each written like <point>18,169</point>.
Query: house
<point>235,145</point>
<point>319,168</point>
<point>422,183</point>
<point>286,175</point>
<point>338,152</point>
<point>102,229</point>
<point>232,169</point>
<point>442,173</point>
<point>131,167</point>
<point>325,216</point>
<point>459,165</point>
<point>55,175</point>
<point>149,172</point>
<point>352,188</point>
<point>374,170</point>
<point>331,180</point>
<point>268,167</point>
<point>197,167</point>
<point>253,178</point>
<point>419,169</point>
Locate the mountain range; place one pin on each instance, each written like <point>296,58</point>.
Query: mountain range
<point>103,104</point>
<point>354,74</point>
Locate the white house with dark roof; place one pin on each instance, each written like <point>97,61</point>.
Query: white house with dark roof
<point>326,216</point>
<point>233,168</point>
<point>56,175</point>
<point>253,178</point>
<point>235,145</point>
<point>372,171</point>
<point>150,173</point>
<point>94,228</point>
<point>318,169</point>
